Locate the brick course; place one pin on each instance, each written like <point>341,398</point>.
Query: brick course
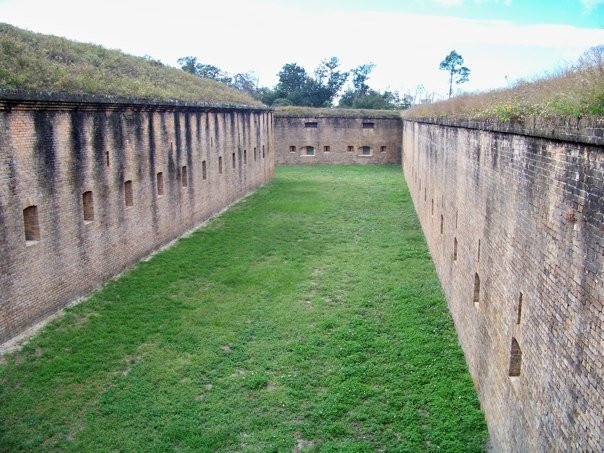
<point>53,149</point>
<point>525,206</point>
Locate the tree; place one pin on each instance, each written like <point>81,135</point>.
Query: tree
<point>361,96</point>
<point>360,75</point>
<point>297,87</point>
<point>206,71</point>
<point>453,64</point>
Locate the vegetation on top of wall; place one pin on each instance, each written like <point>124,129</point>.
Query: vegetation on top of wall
<point>34,61</point>
<point>333,112</point>
<point>576,91</point>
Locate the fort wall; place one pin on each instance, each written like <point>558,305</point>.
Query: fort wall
<point>514,218</point>
<point>324,140</point>
<point>89,185</point>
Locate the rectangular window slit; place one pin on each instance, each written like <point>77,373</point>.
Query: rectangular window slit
<point>160,183</point>
<point>128,196</point>
<point>233,160</point>
<point>368,125</point>
<point>476,290</point>
<point>311,124</point>
<point>220,164</point>
<point>292,149</point>
<point>183,176</point>
<point>515,359</point>
<point>204,171</point>
<point>326,149</point>
<point>454,249</point>
<point>88,206</point>
<point>31,225</point>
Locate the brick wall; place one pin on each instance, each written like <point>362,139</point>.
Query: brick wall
<point>54,149</point>
<point>344,138</point>
<point>512,218</point>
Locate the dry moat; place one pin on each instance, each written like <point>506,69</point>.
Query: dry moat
<point>307,315</point>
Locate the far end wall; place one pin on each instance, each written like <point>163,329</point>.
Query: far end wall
<point>337,140</point>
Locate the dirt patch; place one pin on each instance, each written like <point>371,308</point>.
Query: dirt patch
<point>302,444</point>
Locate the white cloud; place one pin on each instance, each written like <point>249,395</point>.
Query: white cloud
<point>449,2</point>
<point>477,2</point>
<point>238,36</point>
<point>591,4</point>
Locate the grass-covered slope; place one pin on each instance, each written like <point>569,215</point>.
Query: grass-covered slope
<point>34,61</point>
<point>309,315</point>
<point>577,91</point>
<point>335,112</point>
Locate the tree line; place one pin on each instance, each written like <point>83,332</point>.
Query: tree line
<point>326,84</point>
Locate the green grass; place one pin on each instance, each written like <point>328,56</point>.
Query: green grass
<point>292,110</point>
<point>35,61</point>
<point>309,314</point>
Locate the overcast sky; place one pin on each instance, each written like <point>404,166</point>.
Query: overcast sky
<point>405,39</point>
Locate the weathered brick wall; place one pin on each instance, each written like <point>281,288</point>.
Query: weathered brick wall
<point>526,215</point>
<point>344,136</point>
<point>52,151</point>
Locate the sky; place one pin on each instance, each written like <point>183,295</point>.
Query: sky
<point>500,40</point>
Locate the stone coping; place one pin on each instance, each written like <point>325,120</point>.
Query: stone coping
<point>51,100</point>
<point>576,130</point>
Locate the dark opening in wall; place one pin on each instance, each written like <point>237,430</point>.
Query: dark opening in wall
<point>350,149</point>
<point>204,171</point>
<point>292,149</point>
<point>515,359</point>
<point>160,184</point>
<point>366,151</point>
<point>107,157</point>
<point>442,222</point>
<point>233,160</point>
<point>255,154</point>
<point>326,149</point>
<point>311,124</point>
<point>88,206</point>
<point>425,194</point>
<point>263,155</point>
<point>476,290</point>
<point>454,249</point>
<point>456,219</point>
<point>368,125</point>
<point>310,151</point>
<point>245,156</point>
<point>183,176</point>
<point>128,196</point>
<point>31,225</point>
<point>478,255</point>
<point>432,208</point>
<point>219,165</point>
<point>382,149</point>
<point>519,314</point>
